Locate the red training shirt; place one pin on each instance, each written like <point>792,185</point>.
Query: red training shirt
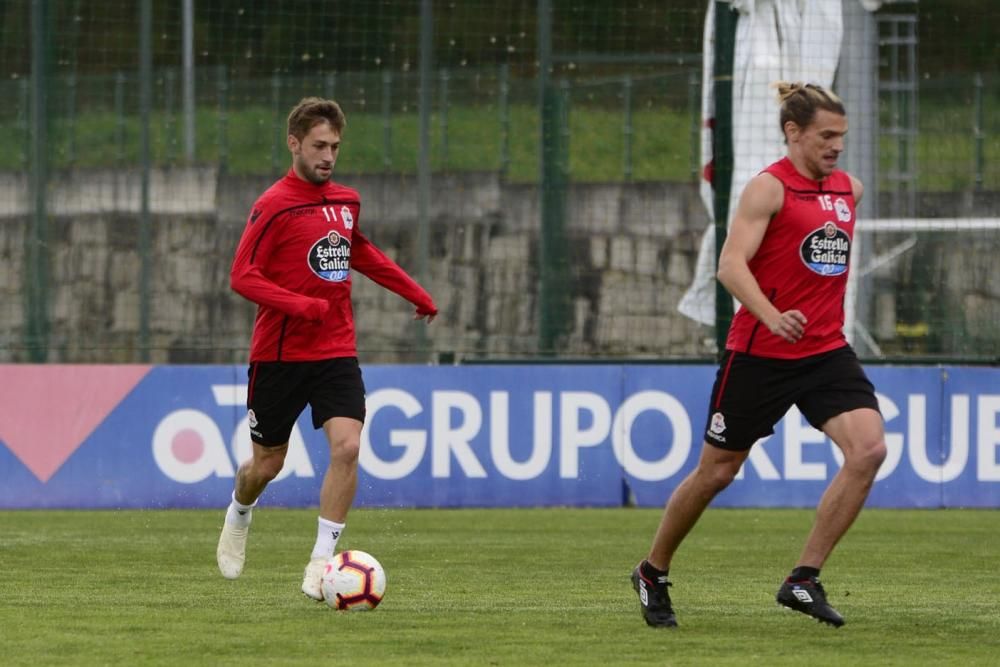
<point>294,261</point>
<point>802,264</point>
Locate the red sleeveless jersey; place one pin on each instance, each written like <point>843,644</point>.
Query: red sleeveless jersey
<point>802,264</point>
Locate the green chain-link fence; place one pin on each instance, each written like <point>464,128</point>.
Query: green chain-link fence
<point>548,151</point>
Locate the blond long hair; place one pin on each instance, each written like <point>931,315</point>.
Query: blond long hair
<point>800,102</point>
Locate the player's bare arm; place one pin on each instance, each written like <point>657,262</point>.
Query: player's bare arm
<point>761,199</point>
<point>858,189</point>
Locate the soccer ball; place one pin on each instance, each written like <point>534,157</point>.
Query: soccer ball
<point>353,581</point>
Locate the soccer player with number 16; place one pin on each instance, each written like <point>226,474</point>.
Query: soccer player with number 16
<point>786,260</point>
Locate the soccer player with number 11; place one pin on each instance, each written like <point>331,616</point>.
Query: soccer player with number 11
<point>294,261</point>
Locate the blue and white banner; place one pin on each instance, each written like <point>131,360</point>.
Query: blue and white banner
<point>474,436</point>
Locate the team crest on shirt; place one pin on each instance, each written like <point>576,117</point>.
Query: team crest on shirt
<point>345,215</point>
<point>330,257</point>
<point>826,250</point>
<point>842,209</point>
<point>718,424</point>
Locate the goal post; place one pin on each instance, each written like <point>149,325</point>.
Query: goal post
<point>931,285</point>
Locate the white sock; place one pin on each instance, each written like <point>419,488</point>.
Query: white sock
<point>239,514</point>
<point>327,534</point>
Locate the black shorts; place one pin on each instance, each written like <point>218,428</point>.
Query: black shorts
<point>279,391</point>
<point>751,394</point>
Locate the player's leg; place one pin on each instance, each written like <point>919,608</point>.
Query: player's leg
<point>274,401</point>
<point>716,469</point>
<point>340,482</point>
<point>860,436</point>
<point>341,478</point>
<point>748,398</point>
<point>740,413</point>
<point>844,407</point>
<point>252,477</point>
<point>338,405</point>
<point>254,474</point>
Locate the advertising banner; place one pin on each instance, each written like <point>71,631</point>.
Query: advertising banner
<point>474,436</point>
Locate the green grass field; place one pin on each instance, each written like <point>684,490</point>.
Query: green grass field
<point>493,587</point>
<point>250,140</point>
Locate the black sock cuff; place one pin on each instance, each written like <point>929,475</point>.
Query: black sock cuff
<point>802,573</point>
<point>650,572</point>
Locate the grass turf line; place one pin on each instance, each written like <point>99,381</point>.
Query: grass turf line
<point>493,587</point>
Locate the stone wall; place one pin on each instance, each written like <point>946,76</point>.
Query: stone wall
<point>631,247</point>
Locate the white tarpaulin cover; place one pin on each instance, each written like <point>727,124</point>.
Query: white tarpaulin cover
<point>776,40</point>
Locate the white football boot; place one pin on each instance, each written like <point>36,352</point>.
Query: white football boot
<point>312,580</point>
<point>232,550</point>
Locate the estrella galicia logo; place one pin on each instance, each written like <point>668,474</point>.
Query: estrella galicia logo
<point>330,258</point>
<point>826,251</point>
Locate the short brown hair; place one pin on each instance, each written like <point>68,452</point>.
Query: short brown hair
<point>311,111</point>
<point>800,102</point>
